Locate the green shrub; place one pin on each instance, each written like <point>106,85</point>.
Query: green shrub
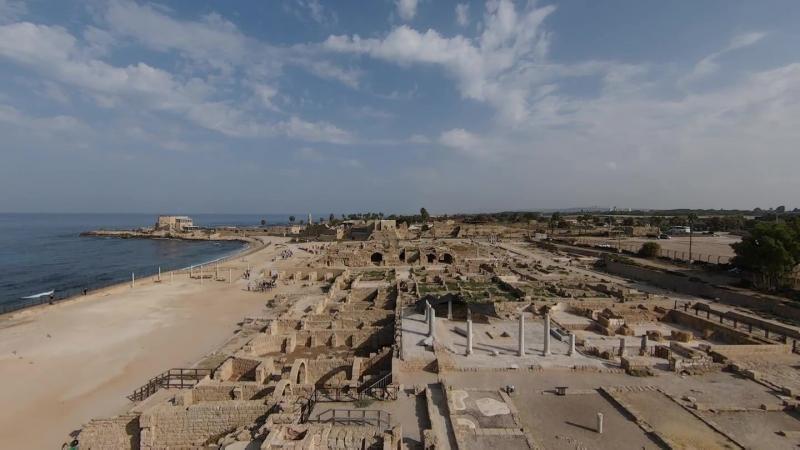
<point>649,250</point>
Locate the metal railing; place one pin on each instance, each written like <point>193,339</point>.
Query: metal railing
<point>380,383</point>
<point>171,379</point>
<point>365,417</point>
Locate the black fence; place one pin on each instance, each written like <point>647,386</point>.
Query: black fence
<point>171,379</point>
<point>369,417</point>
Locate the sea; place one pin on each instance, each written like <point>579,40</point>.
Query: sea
<point>44,252</point>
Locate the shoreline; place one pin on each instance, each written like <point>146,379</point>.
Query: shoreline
<point>251,245</point>
<point>80,359</point>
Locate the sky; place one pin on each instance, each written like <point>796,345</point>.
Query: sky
<point>286,106</point>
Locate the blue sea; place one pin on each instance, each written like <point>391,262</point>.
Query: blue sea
<point>43,252</point>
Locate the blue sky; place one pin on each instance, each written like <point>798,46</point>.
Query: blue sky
<point>297,105</point>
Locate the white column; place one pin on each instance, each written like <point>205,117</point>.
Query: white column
<point>469,337</point>
<point>191,269</point>
<point>230,275</point>
<point>521,350</point>
<point>159,273</point>
<point>449,310</point>
<point>571,344</point>
<point>171,276</point>
<point>133,279</point>
<point>432,323</point>
<point>546,334</point>
<point>600,423</point>
<point>201,275</point>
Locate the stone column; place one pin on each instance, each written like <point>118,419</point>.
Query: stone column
<point>571,344</point>
<point>449,309</point>
<point>230,275</point>
<point>600,423</point>
<point>469,337</point>
<point>427,311</point>
<point>432,323</point>
<point>621,347</point>
<point>546,334</point>
<point>521,349</point>
<point>133,279</point>
<point>159,273</point>
<point>643,349</point>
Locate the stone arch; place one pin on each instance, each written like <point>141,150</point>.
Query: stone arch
<point>447,258</point>
<point>376,258</point>
<point>299,372</point>
<point>281,389</point>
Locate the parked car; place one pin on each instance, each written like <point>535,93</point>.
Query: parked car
<point>664,236</point>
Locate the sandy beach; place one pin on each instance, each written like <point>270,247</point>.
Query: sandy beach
<point>67,363</point>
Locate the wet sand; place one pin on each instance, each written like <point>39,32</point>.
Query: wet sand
<point>64,364</point>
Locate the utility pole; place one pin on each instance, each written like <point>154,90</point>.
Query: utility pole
<point>691,218</point>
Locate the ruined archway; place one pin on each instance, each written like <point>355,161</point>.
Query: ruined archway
<point>431,258</point>
<point>299,372</point>
<point>447,258</point>
<point>281,389</point>
<point>376,258</point>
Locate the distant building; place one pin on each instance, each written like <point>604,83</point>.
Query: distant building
<point>175,223</point>
<point>679,230</point>
<point>385,225</point>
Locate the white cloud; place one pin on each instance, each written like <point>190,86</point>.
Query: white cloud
<point>57,55</point>
<point>218,43</point>
<point>462,14</point>
<point>407,9</point>
<point>497,67</point>
<point>466,143</point>
<point>419,139</point>
<point>316,11</point>
<point>708,65</point>
<point>48,125</point>
<point>11,10</point>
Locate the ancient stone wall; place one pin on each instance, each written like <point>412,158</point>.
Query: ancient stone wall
<point>117,433</point>
<point>680,283</point>
<point>225,391</point>
<point>717,331</point>
<point>177,426</point>
<point>329,371</point>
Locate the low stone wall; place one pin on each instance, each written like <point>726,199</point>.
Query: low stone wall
<point>213,391</point>
<point>329,371</point>
<point>718,330</point>
<point>732,351</point>
<point>117,433</point>
<point>177,426</point>
<point>692,286</point>
<point>235,369</point>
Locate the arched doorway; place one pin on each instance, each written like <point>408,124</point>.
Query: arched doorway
<point>447,258</point>
<point>431,258</point>
<point>376,258</point>
<point>299,373</point>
